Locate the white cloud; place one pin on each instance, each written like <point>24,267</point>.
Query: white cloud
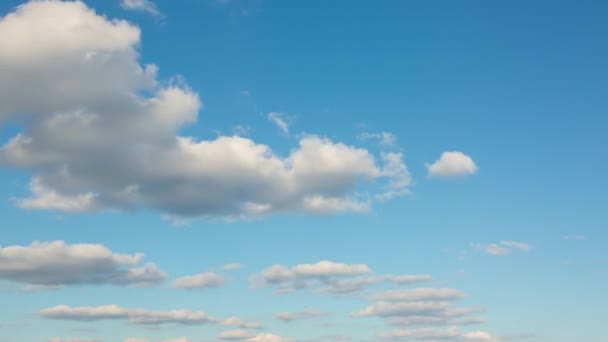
<point>430,334</point>
<point>328,277</point>
<point>52,264</point>
<point>141,5</point>
<point>241,323</point>
<point>386,139</point>
<point>136,339</point>
<point>419,294</point>
<point>300,315</point>
<point>268,338</point>
<point>235,335</point>
<point>134,316</point>
<point>452,164</point>
<point>501,248</point>
<point>281,120</point>
<point>232,266</point>
<point>199,281</point>
<point>95,123</point>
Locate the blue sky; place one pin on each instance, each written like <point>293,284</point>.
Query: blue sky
<point>318,171</point>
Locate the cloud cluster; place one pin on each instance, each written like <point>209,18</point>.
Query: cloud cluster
<point>133,316</point>
<point>501,248</point>
<point>100,131</point>
<point>421,314</point>
<point>386,139</point>
<point>328,277</point>
<point>55,264</point>
<point>452,164</point>
<point>244,335</point>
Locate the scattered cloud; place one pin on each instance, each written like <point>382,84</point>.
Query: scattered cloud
<point>133,316</point>
<point>300,315</point>
<point>281,120</point>
<point>328,277</point>
<point>419,294</point>
<point>386,139</point>
<point>242,130</point>
<point>48,265</point>
<point>83,84</point>
<point>241,323</point>
<point>431,334</point>
<point>452,164</point>
<point>199,281</point>
<point>501,248</point>
<point>574,237</point>
<point>141,5</point>
<point>239,334</point>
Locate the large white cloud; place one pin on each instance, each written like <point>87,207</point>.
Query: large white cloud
<point>452,164</point>
<point>57,263</point>
<point>134,316</point>
<point>99,131</point>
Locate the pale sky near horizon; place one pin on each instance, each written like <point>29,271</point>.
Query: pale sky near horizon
<point>303,171</point>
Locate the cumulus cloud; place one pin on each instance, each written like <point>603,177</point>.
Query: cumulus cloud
<point>95,123</point>
<point>501,248</point>
<point>386,139</point>
<point>329,277</point>
<point>199,281</point>
<point>302,314</point>
<point>53,264</point>
<point>133,316</point>
<point>429,334</point>
<point>136,339</point>
<point>452,164</point>
<point>281,120</point>
<point>141,5</point>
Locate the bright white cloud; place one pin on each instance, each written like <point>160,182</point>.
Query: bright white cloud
<point>141,5</point>
<point>501,248</point>
<point>268,338</point>
<point>133,316</point>
<point>52,264</point>
<point>281,120</point>
<point>95,123</point>
<point>452,164</point>
<point>199,281</point>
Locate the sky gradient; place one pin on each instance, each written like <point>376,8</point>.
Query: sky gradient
<point>274,171</point>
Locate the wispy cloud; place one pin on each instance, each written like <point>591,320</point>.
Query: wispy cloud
<point>141,5</point>
<point>501,248</point>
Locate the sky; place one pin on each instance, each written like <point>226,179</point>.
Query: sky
<point>303,171</point>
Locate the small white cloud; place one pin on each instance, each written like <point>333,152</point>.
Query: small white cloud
<point>501,248</point>
<point>281,120</point>
<point>452,164</point>
<point>141,5</point>
<point>239,334</point>
<point>383,138</point>
<point>232,266</point>
<point>302,314</point>
<point>199,281</point>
